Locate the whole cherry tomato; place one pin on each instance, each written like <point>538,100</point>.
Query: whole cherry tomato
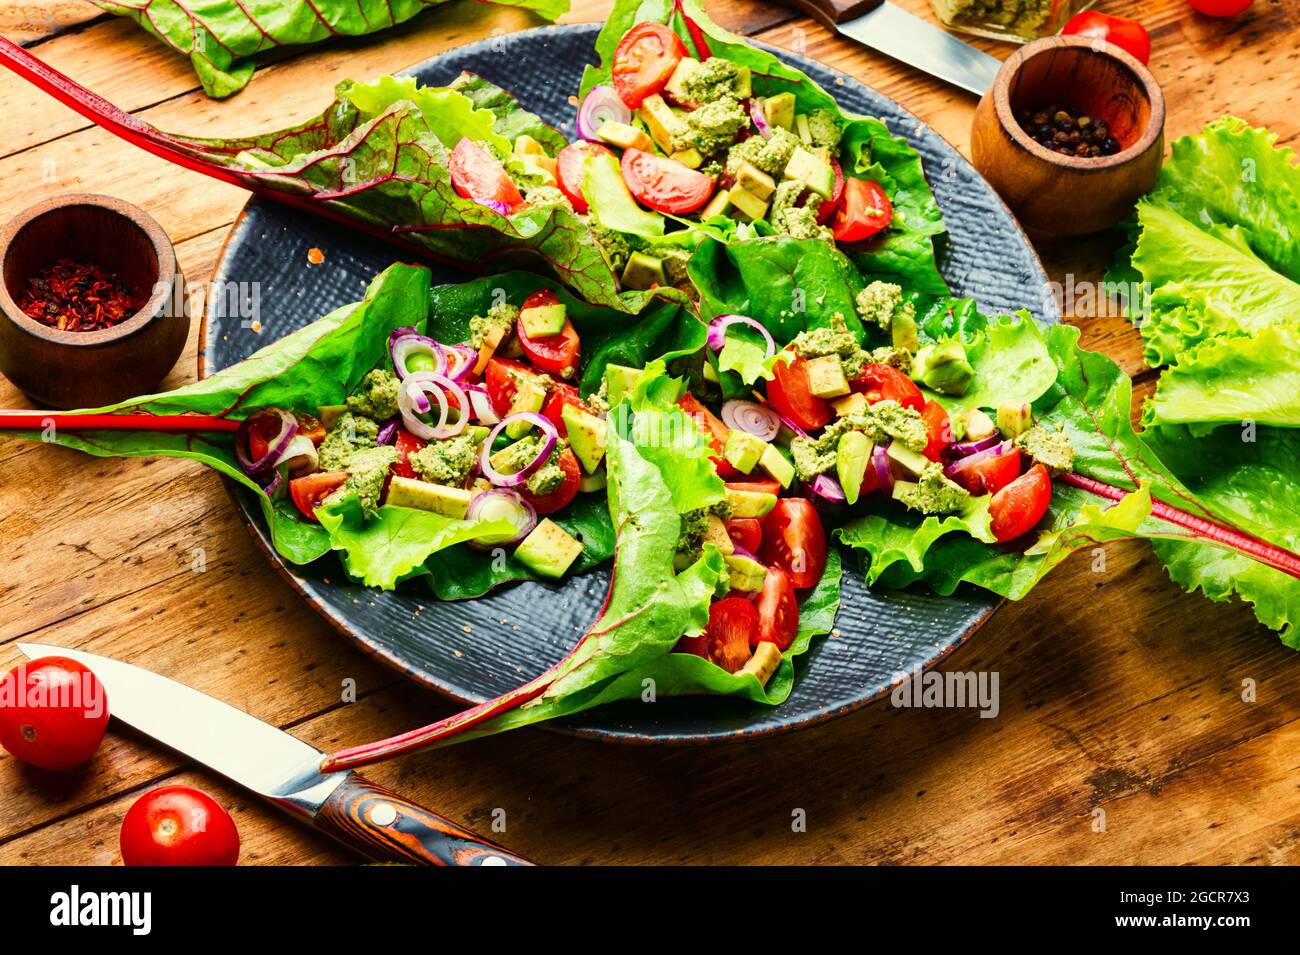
<point>178,825</point>
<point>53,713</point>
<point>1221,8</point>
<point>1128,35</point>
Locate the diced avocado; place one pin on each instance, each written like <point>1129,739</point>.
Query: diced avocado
<point>746,574</point>
<point>978,425</point>
<point>530,395</point>
<point>852,456</point>
<point>1013,420</point>
<point>816,173</point>
<point>717,206</point>
<point>766,658</point>
<point>589,483</point>
<point>643,272</point>
<point>826,377</point>
<point>715,533</point>
<point>904,489</point>
<point>902,329</point>
<point>691,157</point>
<point>744,83</point>
<point>777,465</point>
<point>438,498</point>
<point>491,342</point>
<point>663,123</point>
<point>625,136</point>
<point>586,437</point>
<point>328,415</point>
<point>907,459</point>
<point>944,367</point>
<point>746,203</point>
<point>755,180</point>
<point>675,86</point>
<point>802,129</point>
<point>743,450</point>
<point>778,110</point>
<point>849,404</point>
<point>549,550</point>
<point>750,503</point>
<point>620,380</point>
<point>477,432</point>
<point>542,321</point>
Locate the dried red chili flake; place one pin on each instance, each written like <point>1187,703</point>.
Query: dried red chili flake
<point>78,295</point>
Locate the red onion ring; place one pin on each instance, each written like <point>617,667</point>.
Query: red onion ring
<point>548,445</point>
<point>751,417</point>
<point>402,347</point>
<point>522,514</point>
<point>300,456</point>
<point>274,448</point>
<point>884,476</point>
<point>422,383</point>
<point>718,332</point>
<point>965,449</point>
<point>496,205</point>
<point>461,362</point>
<point>387,432</point>
<point>602,104</point>
<point>480,404</point>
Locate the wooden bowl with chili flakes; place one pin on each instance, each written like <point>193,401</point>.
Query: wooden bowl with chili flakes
<point>1062,190</point>
<point>92,302</point>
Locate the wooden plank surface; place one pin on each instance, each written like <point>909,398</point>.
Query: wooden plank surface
<point>1121,698</point>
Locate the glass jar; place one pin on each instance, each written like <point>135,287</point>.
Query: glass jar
<point>1016,20</point>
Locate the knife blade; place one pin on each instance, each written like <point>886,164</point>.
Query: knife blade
<point>282,768</point>
<point>886,27</point>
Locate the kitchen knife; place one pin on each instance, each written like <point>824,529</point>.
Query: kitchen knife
<point>906,37</point>
<point>282,769</point>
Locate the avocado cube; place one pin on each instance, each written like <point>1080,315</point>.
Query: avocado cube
<point>542,321</point>
<point>691,157</point>
<point>624,136</point>
<point>549,550</point>
<point>852,457</point>
<point>778,110</point>
<point>717,206</point>
<point>715,533</point>
<point>826,377</point>
<point>676,83</point>
<point>620,380</point>
<point>816,173</point>
<point>902,331</point>
<point>743,450</point>
<point>744,83</point>
<point>586,436</point>
<point>750,503</point>
<point>530,395</point>
<point>491,342</point>
<point>849,404</point>
<point>438,498</point>
<point>746,574</point>
<point>755,180</point>
<point>907,459</point>
<point>904,489</point>
<point>777,465</point>
<point>747,204</point>
<point>662,122</point>
<point>802,128</point>
<point>328,415</point>
<point>643,272</point>
<point>766,658</point>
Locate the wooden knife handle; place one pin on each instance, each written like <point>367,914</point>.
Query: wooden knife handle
<point>832,12</point>
<point>390,828</point>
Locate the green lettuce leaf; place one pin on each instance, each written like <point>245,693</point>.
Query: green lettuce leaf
<point>223,37</point>
<point>1011,363</point>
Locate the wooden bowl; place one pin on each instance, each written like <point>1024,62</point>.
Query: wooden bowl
<point>1057,195</point>
<point>70,369</point>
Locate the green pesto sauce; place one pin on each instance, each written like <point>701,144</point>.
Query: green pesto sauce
<point>376,396</point>
<point>367,469</point>
<point>1051,449</point>
<point>878,303</point>
<point>882,422</point>
<point>500,315</point>
<point>448,462</point>
<point>350,434</point>
<point>934,493</point>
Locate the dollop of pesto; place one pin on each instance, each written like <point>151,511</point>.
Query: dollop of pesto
<point>449,462</point>
<point>769,155</point>
<point>376,395</point>
<point>350,434</point>
<point>367,469</point>
<point>500,315</point>
<point>713,79</point>
<point>714,126</point>
<point>879,302</point>
<point>882,422</point>
<point>833,339</point>
<point>800,222</point>
<point>545,195</point>
<point>824,129</point>
<point>695,523</point>
<point>613,245</point>
<point>1051,449</point>
<point>933,493</point>
<point>899,358</point>
<point>513,457</point>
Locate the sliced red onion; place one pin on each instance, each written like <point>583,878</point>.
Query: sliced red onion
<point>799,432</point>
<point>387,432</point>
<point>501,504</point>
<point>461,360</point>
<point>422,383</point>
<point>496,205</point>
<point>299,456</point>
<point>480,404</point>
<point>750,416</point>
<point>760,121</point>
<point>274,448</point>
<point>277,478</point>
<point>602,105</point>
<point>827,487</point>
<point>403,347</point>
<point>551,436</point>
<point>738,551</point>
<point>965,449</point>
<point>718,331</point>
<point>884,476</point>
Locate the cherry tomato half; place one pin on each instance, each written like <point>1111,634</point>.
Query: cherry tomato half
<point>937,428</point>
<point>714,430</point>
<point>745,532</point>
<point>1128,35</point>
<point>778,611</point>
<point>986,473</point>
<point>550,503</point>
<point>733,624</point>
<point>644,60</point>
<point>865,211</point>
<point>310,490</point>
<point>561,396</point>
<point>1221,8</point>
<point>755,485</point>
<point>664,184</point>
<point>178,825</point>
<point>53,712</point>
<point>553,354</point>
<point>1020,505</point>
<point>477,174</point>
<point>500,383</point>
<point>887,383</point>
<point>793,541</point>
<point>571,170</point>
<point>406,445</point>
<point>791,395</point>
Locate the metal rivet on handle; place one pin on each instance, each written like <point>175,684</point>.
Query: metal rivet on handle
<point>383,814</point>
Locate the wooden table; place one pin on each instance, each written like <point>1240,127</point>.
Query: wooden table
<point>1123,736</point>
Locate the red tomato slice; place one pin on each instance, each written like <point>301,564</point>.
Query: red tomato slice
<point>406,444</point>
<point>1021,504</point>
<point>1129,35</point>
<point>865,211</point>
<point>553,410</point>
<point>791,395</point>
<point>663,184</point>
<point>571,170</point>
<point>733,623</point>
<point>53,713</point>
<point>714,430</point>
<point>793,541</point>
<point>476,174</point>
<point>644,60</point>
<point>887,383</point>
<point>828,209</point>
<point>178,825</point>
<point>550,503</point>
<point>500,383</point>
<point>987,473</point>
<point>938,428</point>
<point>778,611</point>
<point>745,532</point>
<point>310,490</point>
<point>553,354</point>
<point>759,486</point>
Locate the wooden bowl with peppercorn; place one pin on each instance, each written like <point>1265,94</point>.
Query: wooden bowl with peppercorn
<point>92,301</point>
<point>1071,134</point>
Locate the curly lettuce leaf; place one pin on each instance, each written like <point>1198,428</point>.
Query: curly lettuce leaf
<point>1011,364</point>
<point>222,38</point>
